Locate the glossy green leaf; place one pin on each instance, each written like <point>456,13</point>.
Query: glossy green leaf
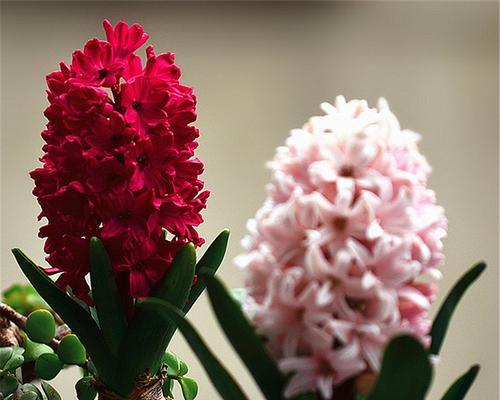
<point>173,363</point>
<point>72,314</point>
<point>48,366</point>
<point>14,362</point>
<point>147,337</point>
<point>461,386</point>
<point>84,389</point>
<point>71,350</point>
<point>443,317</point>
<point>167,387</point>
<point>50,392</point>
<point>28,388</point>
<point>41,326</point>
<point>210,261</point>
<point>218,374</point>
<point>406,372</point>
<point>5,354</point>
<point>30,396</point>
<point>33,350</point>
<point>8,385</point>
<point>105,294</point>
<point>189,388</point>
<point>244,339</point>
<point>184,369</point>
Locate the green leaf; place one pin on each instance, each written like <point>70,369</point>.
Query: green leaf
<point>183,368</point>
<point>72,314</point>
<point>30,396</point>
<point>167,387</point>
<point>406,372</point>
<point>443,317</point>
<point>28,388</point>
<point>8,384</point>
<point>218,374</point>
<point>147,336</point>
<point>189,388</point>
<point>5,354</point>
<point>461,386</point>
<point>41,326</point>
<point>48,366</point>
<point>34,350</point>
<point>210,261</point>
<point>105,294</point>
<point>84,389</point>
<point>173,363</point>
<point>50,392</point>
<point>14,362</point>
<point>244,339</point>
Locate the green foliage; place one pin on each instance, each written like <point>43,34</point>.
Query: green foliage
<point>84,389</point>
<point>48,366</point>
<point>11,358</point>
<point>5,354</point>
<point>189,388</point>
<point>73,314</point>
<point>8,385</point>
<point>29,391</point>
<point>218,374</point>
<point>23,298</point>
<point>406,371</point>
<point>148,336</point>
<point>71,350</point>
<point>50,392</point>
<point>33,350</point>
<point>461,386</point>
<point>176,371</point>
<point>41,326</point>
<point>105,294</point>
<point>244,339</point>
<point>210,261</point>
<point>443,317</point>
<point>173,364</point>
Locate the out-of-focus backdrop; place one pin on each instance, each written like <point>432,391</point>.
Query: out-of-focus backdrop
<point>261,69</point>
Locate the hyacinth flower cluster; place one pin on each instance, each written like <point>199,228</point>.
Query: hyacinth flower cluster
<point>341,266</point>
<point>121,194</point>
<point>344,254</point>
<point>119,163</point>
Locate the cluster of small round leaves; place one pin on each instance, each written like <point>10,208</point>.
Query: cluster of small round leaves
<point>345,252</point>
<point>118,163</point>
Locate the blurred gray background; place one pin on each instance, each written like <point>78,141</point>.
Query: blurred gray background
<point>261,69</point>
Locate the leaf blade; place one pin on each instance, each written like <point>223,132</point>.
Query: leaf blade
<point>443,317</point>
<point>147,337</point>
<point>105,294</point>
<point>461,386</point>
<point>211,260</point>
<point>406,372</point>
<point>218,374</point>
<point>242,336</point>
<point>73,314</point>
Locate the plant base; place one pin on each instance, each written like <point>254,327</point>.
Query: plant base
<point>146,388</point>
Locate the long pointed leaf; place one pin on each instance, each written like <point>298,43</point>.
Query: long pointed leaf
<point>461,386</point>
<point>443,317</point>
<point>218,374</point>
<point>406,372</point>
<point>147,336</point>
<point>244,339</point>
<point>80,322</point>
<point>105,294</point>
<point>211,261</point>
